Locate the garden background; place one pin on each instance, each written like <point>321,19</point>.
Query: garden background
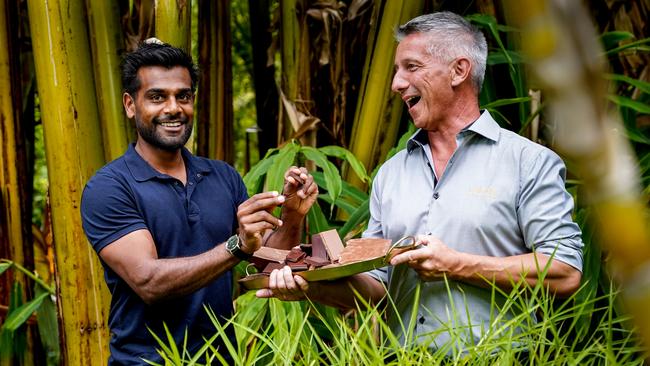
<point>308,82</point>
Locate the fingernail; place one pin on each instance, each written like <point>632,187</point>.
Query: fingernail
<point>281,199</point>
<point>274,193</point>
<point>279,222</point>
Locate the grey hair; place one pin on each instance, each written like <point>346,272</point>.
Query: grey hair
<point>452,36</point>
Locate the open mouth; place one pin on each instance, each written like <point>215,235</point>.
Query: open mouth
<point>412,101</point>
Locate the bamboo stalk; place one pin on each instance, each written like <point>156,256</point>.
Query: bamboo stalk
<point>105,36</point>
<point>172,18</point>
<point>214,104</point>
<point>73,151</point>
<point>376,121</point>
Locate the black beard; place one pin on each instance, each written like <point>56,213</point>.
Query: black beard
<point>148,133</point>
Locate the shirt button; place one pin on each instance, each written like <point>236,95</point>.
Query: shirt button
<point>191,183</point>
<point>436,195</point>
<point>198,175</point>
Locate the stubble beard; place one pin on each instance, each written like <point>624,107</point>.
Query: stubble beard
<point>150,134</point>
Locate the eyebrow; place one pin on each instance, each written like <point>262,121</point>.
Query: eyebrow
<point>163,91</point>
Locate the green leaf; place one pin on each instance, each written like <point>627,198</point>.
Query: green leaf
<point>20,315</point>
<point>48,328</point>
<point>632,46</point>
<point>253,178</point>
<point>348,191</point>
<point>284,159</point>
<point>358,217</point>
<point>316,220</point>
<point>505,101</point>
<point>332,177</point>
<point>611,39</point>
<point>5,266</point>
<point>644,86</point>
<point>347,155</point>
<point>630,103</point>
<point>340,203</point>
<point>498,57</point>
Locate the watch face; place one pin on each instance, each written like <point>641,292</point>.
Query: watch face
<point>232,243</point>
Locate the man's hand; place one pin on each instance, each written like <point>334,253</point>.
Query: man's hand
<point>432,261</point>
<point>284,286</point>
<point>300,191</point>
<point>254,216</point>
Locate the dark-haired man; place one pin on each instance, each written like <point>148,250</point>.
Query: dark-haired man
<point>489,206</point>
<point>168,226</point>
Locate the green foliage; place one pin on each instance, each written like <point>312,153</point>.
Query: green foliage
<point>292,333</point>
<point>13,331</point>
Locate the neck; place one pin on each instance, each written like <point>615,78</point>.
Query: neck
<point>166,162</point>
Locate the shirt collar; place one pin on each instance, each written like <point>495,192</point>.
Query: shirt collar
<point>142,171</point>
<point>485,126</point>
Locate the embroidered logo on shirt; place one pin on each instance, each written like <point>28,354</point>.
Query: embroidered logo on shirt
<point>484,192</point>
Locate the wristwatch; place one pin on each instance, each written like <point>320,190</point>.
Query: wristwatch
<point>233,246</point>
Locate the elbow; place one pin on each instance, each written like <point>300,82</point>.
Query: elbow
<point>144,285</point>
<point>568,284</point>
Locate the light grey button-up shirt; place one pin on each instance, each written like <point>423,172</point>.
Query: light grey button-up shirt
<point>500,195</point>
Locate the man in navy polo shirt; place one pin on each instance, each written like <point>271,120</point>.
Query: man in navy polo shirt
<point>168,226</point>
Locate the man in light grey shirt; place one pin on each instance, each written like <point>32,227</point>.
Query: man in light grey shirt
<point>489,207</point>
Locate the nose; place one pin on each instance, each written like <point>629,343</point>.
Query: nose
<point>172,106</point>
<point>399,83</point>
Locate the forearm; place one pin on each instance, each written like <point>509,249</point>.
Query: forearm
<point>289,234</point>
<point>504,272</point>
<point>173,277</point>
<point>344,293</point>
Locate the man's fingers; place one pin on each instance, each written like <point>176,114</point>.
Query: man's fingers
<point>264,293</point>
<point>409,256</point>
<point>260,201</point>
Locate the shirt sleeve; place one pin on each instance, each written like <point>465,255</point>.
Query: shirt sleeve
<point>108,211</point>
<point>544,210</point>
<point>374,229</point>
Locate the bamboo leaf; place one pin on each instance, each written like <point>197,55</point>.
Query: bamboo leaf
<point>644,86</point>
<point>348,191</point>
<point>498,57</point>
<point>284,159</point>
<point>332,177</point>
<point>48,327</point>
<point>505,101</point>
<point>340,203</point>
<point>347,155</point>
<point>253,178</point>
<point>630,103</point>
<point>611,39</point>
<point>5,266</point>
<point>19,316</point>
<point>634,46</point>
<point>317,222</point>
<point>357,218</point>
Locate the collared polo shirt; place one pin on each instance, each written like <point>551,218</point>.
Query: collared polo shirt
<point>184,220</point>
<point>500,195</point>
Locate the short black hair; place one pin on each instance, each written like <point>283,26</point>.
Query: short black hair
<point>154,54</point>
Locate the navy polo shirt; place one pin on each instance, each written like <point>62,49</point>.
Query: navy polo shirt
<point>184,220</point>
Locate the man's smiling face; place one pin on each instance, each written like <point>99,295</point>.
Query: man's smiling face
<point>423,81</point>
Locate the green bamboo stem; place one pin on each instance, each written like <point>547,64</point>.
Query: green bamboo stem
<point>376,121</point>
<point>73,148</point>
<point>105,35</point>
<point>172,19</point>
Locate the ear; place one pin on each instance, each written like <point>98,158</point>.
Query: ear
<point>460,71</point>
<point>129,105</point>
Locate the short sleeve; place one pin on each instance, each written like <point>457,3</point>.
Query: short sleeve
<point>544,210</point>
<point>108,211</point>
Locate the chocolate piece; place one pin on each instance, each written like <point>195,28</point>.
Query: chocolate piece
<point>306,248</point>
<point>271,266</point>
<point>300,266</point>
<point>364,248</point>
<point>316,262</point>
<point>265,255</point>
<point>327,244</point>
<point>295,254</point>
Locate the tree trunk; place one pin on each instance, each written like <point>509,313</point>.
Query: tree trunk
<point>215,113</point>
<point>73,149</point>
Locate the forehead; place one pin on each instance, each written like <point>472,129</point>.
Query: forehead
<point>414,47</point>
<point>160,77</point>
